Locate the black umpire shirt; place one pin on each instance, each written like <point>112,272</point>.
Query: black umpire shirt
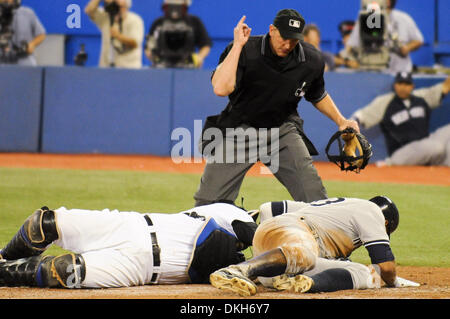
<point>268,87</point>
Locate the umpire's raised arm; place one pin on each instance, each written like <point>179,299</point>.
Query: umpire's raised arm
<point>224,78</point>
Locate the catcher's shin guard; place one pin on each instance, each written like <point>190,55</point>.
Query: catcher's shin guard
<point>66,271</point>
<point>38,231</point>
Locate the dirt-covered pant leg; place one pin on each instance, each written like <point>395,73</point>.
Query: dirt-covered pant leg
<point>293,237</point>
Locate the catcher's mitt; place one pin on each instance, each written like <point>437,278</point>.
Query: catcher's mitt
<point>353,143</point>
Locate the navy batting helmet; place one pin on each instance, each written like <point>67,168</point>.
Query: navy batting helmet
<point>389,210</point>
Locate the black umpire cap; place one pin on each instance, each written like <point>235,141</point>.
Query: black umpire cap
<point>290,23</point>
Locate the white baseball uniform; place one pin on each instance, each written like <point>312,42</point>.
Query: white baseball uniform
<point>118,247</point>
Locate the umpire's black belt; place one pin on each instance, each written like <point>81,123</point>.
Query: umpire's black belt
<point>156,251</point>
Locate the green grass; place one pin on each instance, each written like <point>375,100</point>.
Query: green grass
<point>422,238</point>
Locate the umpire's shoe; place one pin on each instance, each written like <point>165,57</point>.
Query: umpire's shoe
<point>299,283</point>
<point>232,279</point>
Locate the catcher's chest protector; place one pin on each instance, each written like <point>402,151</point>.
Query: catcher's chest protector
<point>214,248</point>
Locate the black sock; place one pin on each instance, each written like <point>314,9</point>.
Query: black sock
<point>332,280</point>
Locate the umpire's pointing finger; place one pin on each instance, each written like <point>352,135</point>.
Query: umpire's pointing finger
<point>242,20</point>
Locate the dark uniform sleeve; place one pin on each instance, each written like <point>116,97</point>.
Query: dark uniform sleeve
<point>225,52</point>
<point>379,252</point>
<point>372,233</point>
<point>245,231</point>
<point>202,37</point>
<point>317,90</point>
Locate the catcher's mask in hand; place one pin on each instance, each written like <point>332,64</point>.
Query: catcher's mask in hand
<point>354,150</point>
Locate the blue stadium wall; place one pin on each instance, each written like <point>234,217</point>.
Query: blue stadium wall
<point>220,18</point>
<point>110,111</point>
<point>91,110</point>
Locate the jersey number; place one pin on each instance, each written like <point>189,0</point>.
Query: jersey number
<point>327,202</point>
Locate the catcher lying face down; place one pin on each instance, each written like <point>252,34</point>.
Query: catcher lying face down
<point>300,247</point>
<point>122,249</point>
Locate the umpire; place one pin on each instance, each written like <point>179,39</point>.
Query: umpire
<point>265,78</point>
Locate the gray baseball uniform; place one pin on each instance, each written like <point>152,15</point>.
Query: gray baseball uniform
<point>314,235</point>
<point>339,225</point>
<point>432,150</point>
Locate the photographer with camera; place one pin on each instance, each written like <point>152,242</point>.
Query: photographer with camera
<point>346,57</point>
<point>174,38</point>
<point>122,33</point>
<point>21,33</point>
<point>402,35</point>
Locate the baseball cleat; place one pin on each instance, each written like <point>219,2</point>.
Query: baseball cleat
<point>231,279</point>
<point>299,283</point>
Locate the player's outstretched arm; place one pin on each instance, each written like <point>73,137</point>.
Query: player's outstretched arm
<point>388,272</point>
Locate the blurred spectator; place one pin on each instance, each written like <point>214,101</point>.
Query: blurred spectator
<point>346,57</point>
<point>174,38</point>
<point>20,33</point>
<point>404,117</point>
<point>311,35</point>
<point>122,33</point>
<point>403,37</point>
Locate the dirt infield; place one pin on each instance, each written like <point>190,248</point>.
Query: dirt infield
<point>328,171</point>
<point>434,285</point>
<point>435,282</point>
